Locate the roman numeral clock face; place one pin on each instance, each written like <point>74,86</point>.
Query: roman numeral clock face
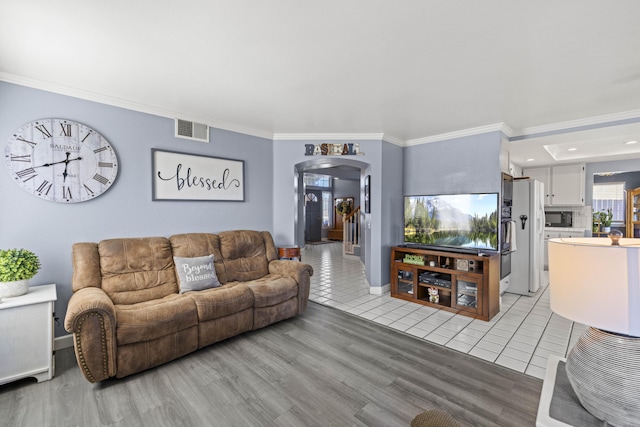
<point>61,160</point>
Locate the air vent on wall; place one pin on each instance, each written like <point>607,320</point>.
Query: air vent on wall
<point>191,130</point>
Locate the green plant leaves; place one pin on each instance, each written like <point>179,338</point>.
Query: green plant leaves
<point>18,264</point>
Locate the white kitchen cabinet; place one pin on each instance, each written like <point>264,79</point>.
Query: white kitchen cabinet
<point>567,185</point>
<point>26,335</point>
<point>563,185</point>
<point>544,176</point>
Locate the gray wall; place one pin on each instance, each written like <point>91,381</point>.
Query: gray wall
<point>631,179</point>
<point>347,188</point>
<point>391,205</point>
<point>285,189</point>
<point>125,210</point>
<point>631,165</point>
<point>289,157</point>
<point>468,164</point>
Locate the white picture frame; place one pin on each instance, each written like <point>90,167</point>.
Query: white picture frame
<point>196,177</point>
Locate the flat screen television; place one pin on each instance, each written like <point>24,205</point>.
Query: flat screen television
<point>466,222</point>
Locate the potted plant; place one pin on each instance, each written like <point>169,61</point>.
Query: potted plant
<point>17,266</point>
<point>596,222</point>
<point>605,220</point>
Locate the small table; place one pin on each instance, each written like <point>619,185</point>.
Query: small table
<point>26,335</point>
<point>559,406</point>
<point>289,252</point>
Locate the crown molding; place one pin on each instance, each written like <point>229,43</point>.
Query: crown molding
<point>568,125</point>
<point>506,130</point>
<point>338,137</point>
<point>121,103</point>
<point>333,136</point>
<point>458,134</point>
<point>325,136</point>
<point>393,140</point>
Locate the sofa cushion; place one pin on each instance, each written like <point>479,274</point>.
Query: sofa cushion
<point>244,254</point>
<point>86,266</point>
<point>200,244</point>
<point>272,289</point>
<point>137,269</point>
<point>264,316</point>
<point>219,329</point>
<point>219,302</point>
<point>149,320</point>
<point>196,274</point>
<point>138,356</point>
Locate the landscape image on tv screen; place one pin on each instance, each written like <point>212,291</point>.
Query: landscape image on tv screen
<point>467,221</point>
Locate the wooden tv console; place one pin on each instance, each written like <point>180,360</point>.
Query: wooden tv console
<point>465,283</point>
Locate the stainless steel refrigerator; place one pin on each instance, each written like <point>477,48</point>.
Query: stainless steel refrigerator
<point>527,261</point>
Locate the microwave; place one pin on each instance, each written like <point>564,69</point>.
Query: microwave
<point>558,219</point>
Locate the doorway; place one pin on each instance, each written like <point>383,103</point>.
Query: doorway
<point>313,216</point>
<point>341,170</point>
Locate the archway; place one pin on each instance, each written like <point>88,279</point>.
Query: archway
<point>332,166</point>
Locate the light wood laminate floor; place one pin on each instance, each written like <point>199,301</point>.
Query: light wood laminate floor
<point>323,368</point>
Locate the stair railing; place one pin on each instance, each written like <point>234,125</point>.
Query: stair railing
<point>351,231</point>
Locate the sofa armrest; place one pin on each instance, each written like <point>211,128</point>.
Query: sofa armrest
<point>91,317</point>
<point>300,272</point>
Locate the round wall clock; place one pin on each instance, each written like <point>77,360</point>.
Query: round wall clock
<point>61,160</point>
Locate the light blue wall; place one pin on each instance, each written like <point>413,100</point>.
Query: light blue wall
<point>287,154</point>
<point>631,165</point>
<point>468,164</point>
<point>125,210</point>
<point>347,188</point>
<point>391,205</point>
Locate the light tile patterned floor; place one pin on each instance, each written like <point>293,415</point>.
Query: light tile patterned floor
<point>520,337</point>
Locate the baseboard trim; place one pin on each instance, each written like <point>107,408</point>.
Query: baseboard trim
<point>379,290</point>
<point>65,341</point>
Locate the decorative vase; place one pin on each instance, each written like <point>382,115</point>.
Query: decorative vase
<point>602,369</point>
<point>14,289</point>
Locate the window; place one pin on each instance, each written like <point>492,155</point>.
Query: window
<point>610,195</point>
<point>314,180</point>
<point>327,209</point>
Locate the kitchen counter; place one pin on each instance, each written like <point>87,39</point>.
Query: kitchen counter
<point>565,229</point>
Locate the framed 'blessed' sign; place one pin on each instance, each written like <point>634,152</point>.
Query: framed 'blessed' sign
<point>180,176</point>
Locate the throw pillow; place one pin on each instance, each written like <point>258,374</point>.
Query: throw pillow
<point>196,274</point>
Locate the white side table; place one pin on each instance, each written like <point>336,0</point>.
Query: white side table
<point>568,410</point>
<point>26,335</point>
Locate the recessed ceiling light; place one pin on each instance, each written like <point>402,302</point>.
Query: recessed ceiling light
<point>573,149</point>
<point>530,160</point>
<point>631,142</point>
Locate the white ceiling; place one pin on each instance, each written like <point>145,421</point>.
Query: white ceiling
<point>410,69</point>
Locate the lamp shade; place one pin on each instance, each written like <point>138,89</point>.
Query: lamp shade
<point>595,283</point>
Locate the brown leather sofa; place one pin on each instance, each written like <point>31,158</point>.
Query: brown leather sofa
<point>127,313</point>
